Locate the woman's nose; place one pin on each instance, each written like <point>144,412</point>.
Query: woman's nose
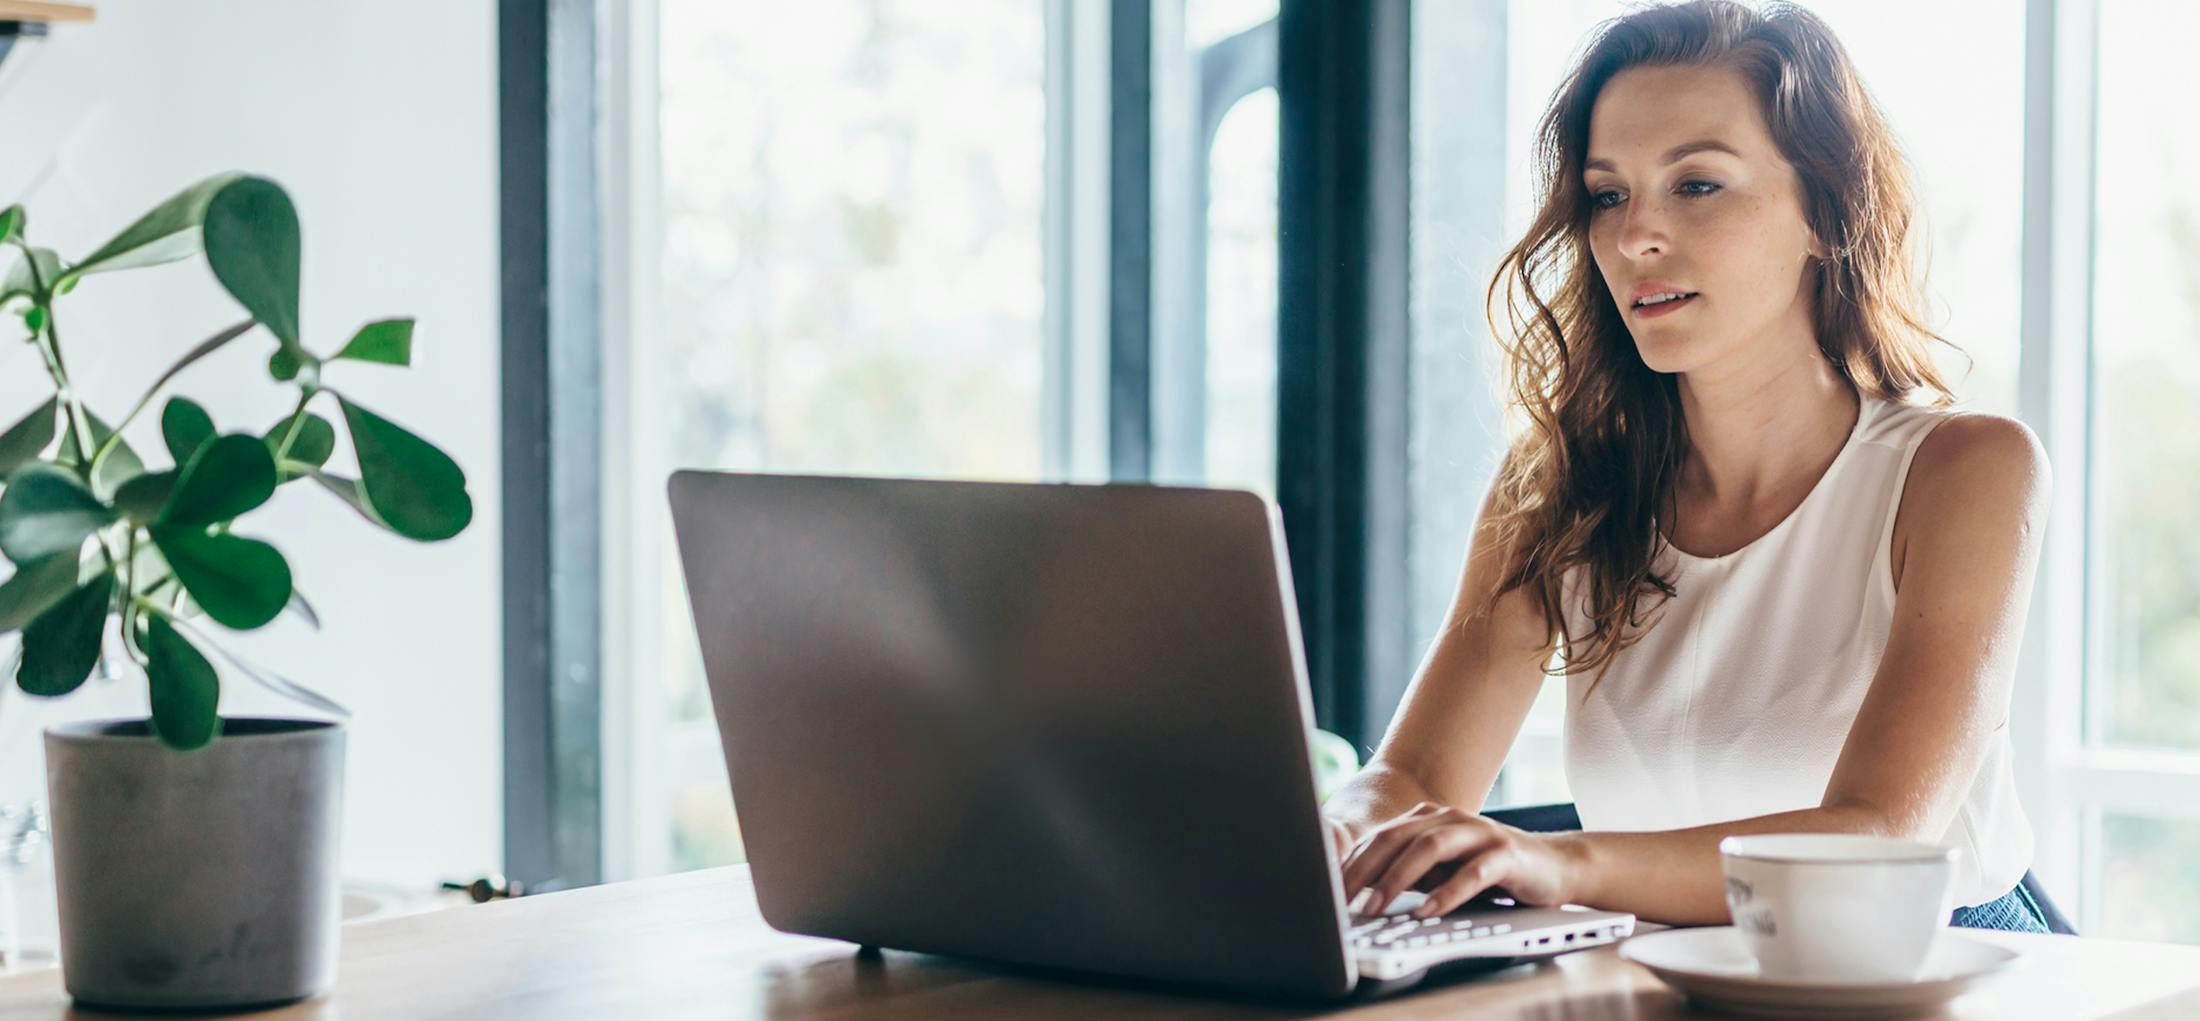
<point>1641,233</point>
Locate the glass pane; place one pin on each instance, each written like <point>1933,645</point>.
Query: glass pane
<point>1460,162</point>
<point>1967,162</point>
<point>2145,873</point>
<point>2144,561</point>
<point>1241,297</point>
<point>1214,264</point>
<point>852,275</point>
<point>852,205</point>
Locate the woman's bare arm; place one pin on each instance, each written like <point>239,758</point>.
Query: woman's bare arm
<point>1465,704</point>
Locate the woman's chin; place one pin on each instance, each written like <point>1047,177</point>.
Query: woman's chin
<point>1669,357</point>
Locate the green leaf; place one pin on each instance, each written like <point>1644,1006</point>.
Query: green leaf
<point>289,363</point>
<point>24,440</point>
<point>316,440</point>
<point>388,342</point>
<point>45,511</point>
<point>169,232</point>
<point>11,221</point>
<point>185,690</point>
<point>252,244</point>
<point>35,588</point>
<point>242,583</point>
<point>228,476</point>
<point>19,282</point>
<point>185,426</point>
<point>62,645</point>
<point>142,498</point>
<point>413,488</point>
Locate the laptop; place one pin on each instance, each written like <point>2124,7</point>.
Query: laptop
<point>1062,726</point>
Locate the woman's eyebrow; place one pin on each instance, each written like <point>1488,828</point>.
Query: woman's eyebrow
<point>1672,154</point>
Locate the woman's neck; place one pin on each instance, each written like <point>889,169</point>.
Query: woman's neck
<point>1762,429</point>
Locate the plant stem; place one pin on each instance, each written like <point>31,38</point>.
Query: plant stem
<point>130,600</point>
<point>80,430</point>
<point>77,432</point>
<point>80,427</point>
<point>297,421</point>
<point>148,606</point>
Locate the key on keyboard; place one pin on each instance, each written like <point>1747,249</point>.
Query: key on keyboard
<point>1390,929</point>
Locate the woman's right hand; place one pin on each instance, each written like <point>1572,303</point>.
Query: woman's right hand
<point>1340,837</point>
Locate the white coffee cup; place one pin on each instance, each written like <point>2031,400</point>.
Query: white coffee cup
<point>1837,907</point>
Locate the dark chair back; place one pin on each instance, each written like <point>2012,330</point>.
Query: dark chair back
<point>1538,818</point>
<point>1562,817</point>
<point>2056,922</point>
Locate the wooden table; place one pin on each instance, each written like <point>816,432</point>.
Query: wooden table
<point>693,946</point>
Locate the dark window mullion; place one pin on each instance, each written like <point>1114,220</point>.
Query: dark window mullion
<point>1130,240</point>
<point>553,819</point>
<point>1342,86</point>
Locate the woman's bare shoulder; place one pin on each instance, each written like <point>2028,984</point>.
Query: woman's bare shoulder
<point>1975,468</point>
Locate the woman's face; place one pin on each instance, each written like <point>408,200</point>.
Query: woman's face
<point>1726,225</point>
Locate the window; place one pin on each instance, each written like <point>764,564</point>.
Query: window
<point>862,239</point>
<point>847,277</point>
<point>845,219</point>
<point>2141,702</point>
<point>2145,660</point>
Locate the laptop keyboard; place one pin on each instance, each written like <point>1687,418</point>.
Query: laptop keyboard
<point>1406,931</point>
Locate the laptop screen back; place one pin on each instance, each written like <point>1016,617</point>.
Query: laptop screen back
<point>1061,725</point>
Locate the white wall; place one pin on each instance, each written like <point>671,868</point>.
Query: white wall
<point>379,116</point>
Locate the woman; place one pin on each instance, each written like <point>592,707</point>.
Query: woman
<point>1784,582</point>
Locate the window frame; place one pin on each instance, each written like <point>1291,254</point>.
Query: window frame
<point>2066,780</point>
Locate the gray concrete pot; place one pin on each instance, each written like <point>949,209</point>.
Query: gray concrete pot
<point>198,879</point>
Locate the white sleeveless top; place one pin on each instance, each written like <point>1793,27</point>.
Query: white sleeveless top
<point>1736,701</point>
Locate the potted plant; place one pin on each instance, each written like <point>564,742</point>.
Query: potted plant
<point>195,855</point>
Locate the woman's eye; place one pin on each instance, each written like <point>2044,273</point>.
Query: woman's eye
<point>1597,199</point>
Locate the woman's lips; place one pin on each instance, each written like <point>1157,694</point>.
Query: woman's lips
<point>1661,308</point>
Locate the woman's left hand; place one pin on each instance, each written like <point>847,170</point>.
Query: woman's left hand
<point>1454,855</point>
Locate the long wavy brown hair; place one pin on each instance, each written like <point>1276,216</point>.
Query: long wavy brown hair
<point>1602,443</point>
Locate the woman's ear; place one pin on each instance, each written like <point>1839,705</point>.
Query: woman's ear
<point>1816,249</point>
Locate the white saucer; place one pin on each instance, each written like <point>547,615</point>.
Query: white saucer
<point>1713,967</point>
